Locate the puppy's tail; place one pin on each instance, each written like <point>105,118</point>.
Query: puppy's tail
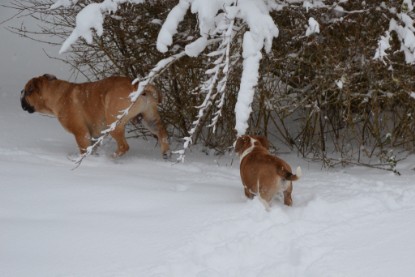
<point>293,177</point>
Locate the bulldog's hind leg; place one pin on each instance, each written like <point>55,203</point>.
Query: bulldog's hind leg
<point>156,127</point>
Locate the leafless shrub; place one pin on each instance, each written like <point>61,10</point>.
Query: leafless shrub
<point>323,95</point>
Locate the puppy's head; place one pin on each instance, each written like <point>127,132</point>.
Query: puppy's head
<point>31,96</point>
<point>242,143</point>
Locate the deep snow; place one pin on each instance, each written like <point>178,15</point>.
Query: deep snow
<point>142,216</point>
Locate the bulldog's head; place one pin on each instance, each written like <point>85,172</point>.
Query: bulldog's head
<point>31,96</point>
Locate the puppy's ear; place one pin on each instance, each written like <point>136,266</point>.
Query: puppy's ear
<point>238,144</point>
<point>50,77</point>
<point>263,140</point>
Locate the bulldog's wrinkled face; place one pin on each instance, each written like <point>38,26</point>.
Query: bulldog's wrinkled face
<point>26,96</point>
<point>31,96</point>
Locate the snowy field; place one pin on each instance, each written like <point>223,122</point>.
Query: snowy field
<point>142,216</point>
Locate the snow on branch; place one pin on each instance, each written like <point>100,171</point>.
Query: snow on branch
<point>214,87</point>
<point>89,19</point>
<point>169,28</point>
<point>404,28</point>
<point>63,3</point>
<point>262,31</point>
<point>313,27</point>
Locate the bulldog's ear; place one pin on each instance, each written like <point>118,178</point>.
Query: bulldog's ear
<point>50,77</point>
<point>32,85</point>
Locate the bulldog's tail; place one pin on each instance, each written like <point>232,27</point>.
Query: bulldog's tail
<point>154,92</point>
<point>293,177</point>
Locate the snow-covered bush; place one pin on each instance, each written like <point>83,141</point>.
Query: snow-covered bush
<point>323,77</point>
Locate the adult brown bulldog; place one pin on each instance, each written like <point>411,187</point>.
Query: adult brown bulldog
<point>86,109</point>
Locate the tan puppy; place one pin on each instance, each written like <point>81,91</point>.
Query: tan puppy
<point>86,109</point>
<point>262,173</point>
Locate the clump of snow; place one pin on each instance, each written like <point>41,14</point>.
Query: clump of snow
<point>313,4</point>
<point>252,56</point>
<point>169,28</point>
<point>63,3</point>
<point>196,47</point>
<point>383,46</point>
<point>404,29</point>
<point>340,82</point>
<point>408,5</point>
<point>89,19</point>
<point>313,27</point>
<point>262,32</point>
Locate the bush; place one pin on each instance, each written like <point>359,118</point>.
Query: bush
<point>323,95</point>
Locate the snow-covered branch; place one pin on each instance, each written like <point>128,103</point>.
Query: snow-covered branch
<point>217,21</point>
<point>89,19</point>
<point>403,26</point>
<point>214,87</point>
<point>262,31</point>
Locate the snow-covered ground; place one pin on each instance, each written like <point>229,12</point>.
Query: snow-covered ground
<point>142,216</point>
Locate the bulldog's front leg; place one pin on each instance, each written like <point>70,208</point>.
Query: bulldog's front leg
<point>80,131</point>
<point>83,139</point>
<point>122,146</point>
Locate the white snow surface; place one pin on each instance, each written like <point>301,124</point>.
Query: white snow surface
<point>142,216</point>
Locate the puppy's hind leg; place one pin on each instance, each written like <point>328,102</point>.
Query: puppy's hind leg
<point>248,193</point>
<point>267,206</point>
<point>265,197</point>
<point>287,194</point>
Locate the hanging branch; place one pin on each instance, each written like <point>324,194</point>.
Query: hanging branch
<point>213,86</point>
<point>224,67</point>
